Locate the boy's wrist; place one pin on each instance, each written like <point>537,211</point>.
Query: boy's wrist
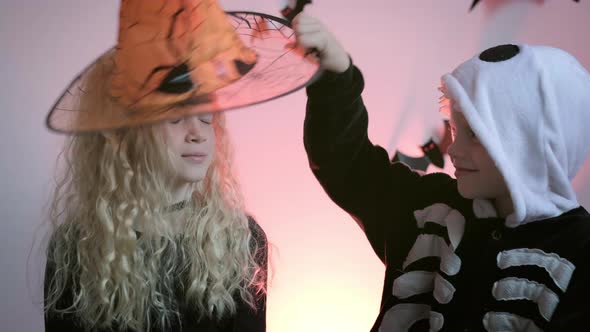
<point>333,83</point>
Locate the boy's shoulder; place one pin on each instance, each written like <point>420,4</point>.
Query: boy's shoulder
<point>439,188</point>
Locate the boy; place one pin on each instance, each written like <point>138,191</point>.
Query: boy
<point>504,246</point>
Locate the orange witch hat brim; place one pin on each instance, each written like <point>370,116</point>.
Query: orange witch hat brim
<point>262,65</point>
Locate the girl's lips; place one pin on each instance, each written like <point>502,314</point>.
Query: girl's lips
<point>195,157</point>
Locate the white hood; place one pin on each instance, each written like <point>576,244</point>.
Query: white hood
<point>530,108</point>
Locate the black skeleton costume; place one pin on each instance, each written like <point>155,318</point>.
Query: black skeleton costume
<point>451,263</point>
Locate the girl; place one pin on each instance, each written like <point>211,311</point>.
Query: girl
<point>149,230</point>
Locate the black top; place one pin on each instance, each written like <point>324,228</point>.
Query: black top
<point>245,320</point>
<point>446,269</point>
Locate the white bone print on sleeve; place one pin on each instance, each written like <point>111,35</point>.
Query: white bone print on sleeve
<point>402,316</point>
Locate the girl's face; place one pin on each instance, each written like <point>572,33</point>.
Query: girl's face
<point>190,142</point>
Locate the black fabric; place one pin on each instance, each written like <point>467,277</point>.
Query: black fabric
<point>246,318</point>
<point>381,196</point>
<point>499,53</point>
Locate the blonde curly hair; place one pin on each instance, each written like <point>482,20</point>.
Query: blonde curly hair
<point>116,183</point>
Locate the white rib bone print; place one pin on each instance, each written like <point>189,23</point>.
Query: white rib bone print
<point>559,269</point>
<point>504,321</point>
<point>523,289</point>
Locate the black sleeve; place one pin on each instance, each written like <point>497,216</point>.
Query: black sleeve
<point>573,309</point>
<point>58,322</point>
<point>250,319</point>
<point>357,175</point>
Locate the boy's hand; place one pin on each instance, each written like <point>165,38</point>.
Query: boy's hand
<point>311,34</point>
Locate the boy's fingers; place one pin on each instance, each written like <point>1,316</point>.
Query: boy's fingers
<point>307,28</point>
<point>312,40</point>
<point>303,18</point>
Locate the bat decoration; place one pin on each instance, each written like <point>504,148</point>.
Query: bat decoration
<point>419,163</point>
<point>475,2</point>
<point>433,153</point>
<point>293,7</point>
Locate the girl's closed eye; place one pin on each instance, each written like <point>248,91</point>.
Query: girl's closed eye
<point>206,118</point>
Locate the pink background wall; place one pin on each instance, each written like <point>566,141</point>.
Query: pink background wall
<point>326,277</point>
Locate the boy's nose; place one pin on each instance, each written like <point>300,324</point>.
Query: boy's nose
<point>454,150</point>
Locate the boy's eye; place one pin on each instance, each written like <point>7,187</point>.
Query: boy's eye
<point>176,121</point>
<point>473,136</point>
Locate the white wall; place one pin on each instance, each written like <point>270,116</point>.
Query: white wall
<point>326,278</point>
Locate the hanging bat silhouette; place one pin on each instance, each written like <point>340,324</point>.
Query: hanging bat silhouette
<point>475,2</point>
<point>433,152</point>
<point>293,8</point>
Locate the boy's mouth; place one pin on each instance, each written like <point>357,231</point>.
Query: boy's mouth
<point>462,171</point>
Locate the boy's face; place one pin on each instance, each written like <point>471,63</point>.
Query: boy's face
<point>476,173</point>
